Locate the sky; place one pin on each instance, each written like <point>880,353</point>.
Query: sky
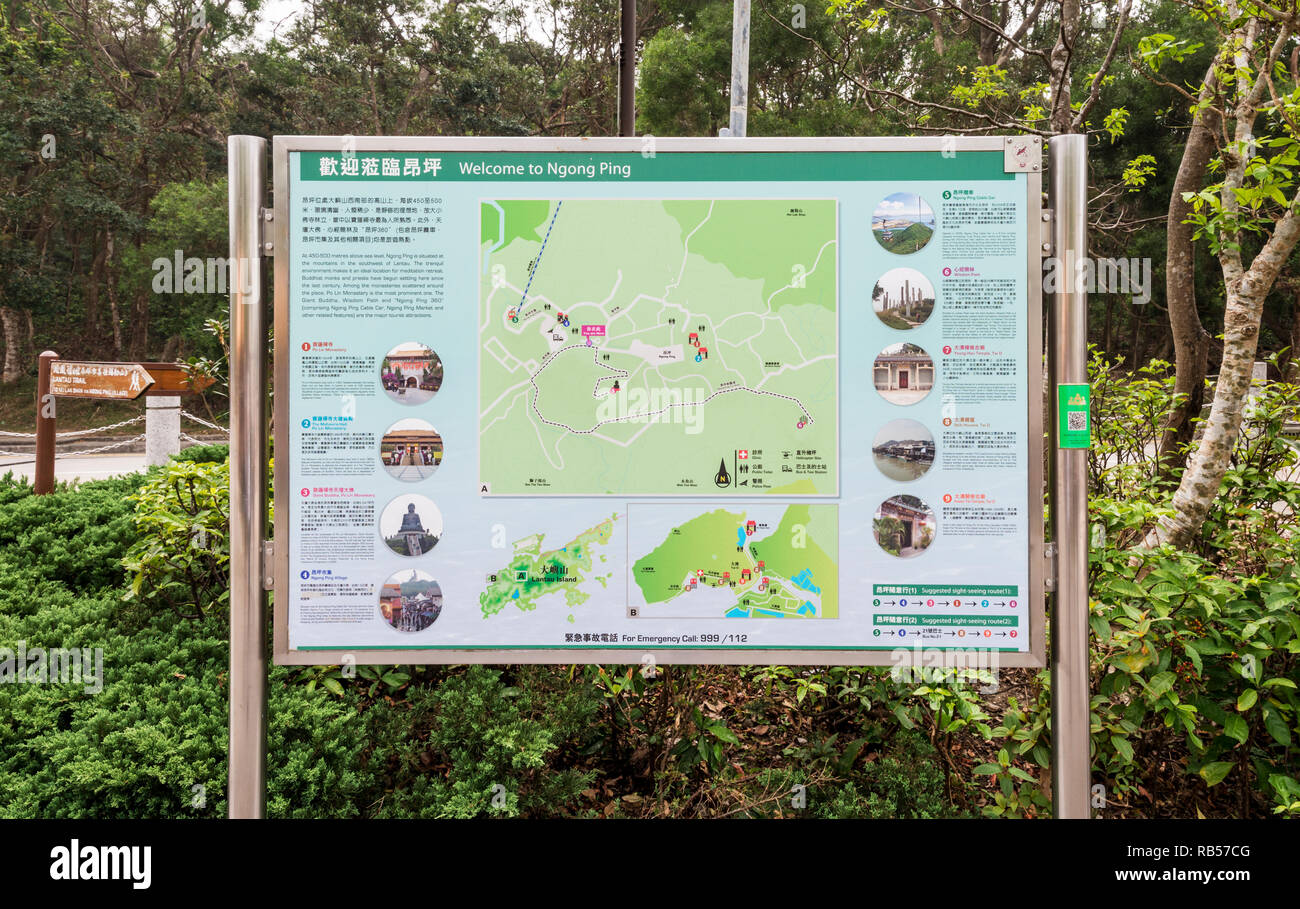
<point>273,12</point>
<point>892,281</point>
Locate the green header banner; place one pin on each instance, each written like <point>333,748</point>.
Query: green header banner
<point>944,590</point>
<point>940,621</point>
<point>628,167</point>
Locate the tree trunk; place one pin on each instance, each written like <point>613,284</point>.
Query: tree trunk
<point>1204,474</point>
<point>1291,369</point>
<point>1246,291</point>
<point>1191,342</point>
<point>139,324</point>
<point>1135,340</point>
<point>936,23</point>
<point>29,342</point>
<point>1106,337</point>
<point>1062,113</point>
<point>1166,347</point>
<point>115,312</point>
<point>94,281</point>
<point>11,321</point>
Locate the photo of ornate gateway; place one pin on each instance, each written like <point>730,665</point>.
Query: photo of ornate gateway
<point>904,526</point>
<point>411,373</point>
<point>411,450</point>
<point>903,373</point>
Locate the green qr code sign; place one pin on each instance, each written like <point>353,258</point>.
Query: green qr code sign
<point>1072,407</point>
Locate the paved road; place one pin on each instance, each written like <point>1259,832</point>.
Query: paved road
<point>89,467</point>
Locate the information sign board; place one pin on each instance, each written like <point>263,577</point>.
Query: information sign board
<point>588,400</point>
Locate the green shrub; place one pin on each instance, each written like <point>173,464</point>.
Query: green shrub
<point>1196,652</point>
<point>1194,686</point>
<point>73,536</point>
<point>481,742</point>
<point>204,454</point>
<point>181,558</point>
<point>158,727</point>
<point>907,782</point>
<point>1194,665</point>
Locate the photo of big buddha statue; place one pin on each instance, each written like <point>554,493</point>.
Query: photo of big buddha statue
<point>411,525</point>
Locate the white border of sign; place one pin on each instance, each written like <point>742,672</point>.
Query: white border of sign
<point>1039,233</point>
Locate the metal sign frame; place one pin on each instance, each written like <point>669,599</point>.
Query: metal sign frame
<point>275,571</point>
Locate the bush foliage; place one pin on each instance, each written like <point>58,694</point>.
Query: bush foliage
<point>1194,678</point>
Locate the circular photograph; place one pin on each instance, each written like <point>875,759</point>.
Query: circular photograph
<point>903,373</point>
<point>410,600</point>
<point>411,525</point>
<point>410,373</point>
<point>904,526</point>
<point>903,298</point>
<point>410,450</point>
<point>903,450</point>
<point>903,223</point>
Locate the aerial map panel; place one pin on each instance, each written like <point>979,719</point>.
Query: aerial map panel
<point>658,347</point>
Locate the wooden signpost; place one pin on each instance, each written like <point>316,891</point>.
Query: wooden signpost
<point>101,381</point>
<point>108,381</point>
<point>174,379</point>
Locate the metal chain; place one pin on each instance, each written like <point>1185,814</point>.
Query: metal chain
<point>75,433</point>
<point>75,454</point>
<point>186,437</point>
<point>203,422</point>
<point>86,432</point>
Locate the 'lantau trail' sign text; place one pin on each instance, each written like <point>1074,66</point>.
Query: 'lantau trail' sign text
<point>580,401</point>
<point>122,381</point>
<point>125,381</point>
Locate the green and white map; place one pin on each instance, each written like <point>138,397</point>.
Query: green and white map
<point>658,347</point>
<point>744,561</point>
<point>536,572</point>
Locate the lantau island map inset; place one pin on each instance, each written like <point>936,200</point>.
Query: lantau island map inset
<point>743,561</point>
<point>658,347</point>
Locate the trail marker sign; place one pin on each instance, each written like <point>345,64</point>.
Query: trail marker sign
<point>111,381</point>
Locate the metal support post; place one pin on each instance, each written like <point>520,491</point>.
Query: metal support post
<point>1068,365</point>
<point>248,456</point>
